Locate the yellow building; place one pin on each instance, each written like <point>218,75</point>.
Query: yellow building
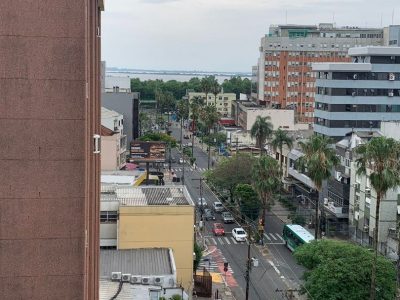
<point>159,217</point>
<point>223,102</point>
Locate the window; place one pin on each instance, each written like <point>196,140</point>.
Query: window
<point>108,216</point>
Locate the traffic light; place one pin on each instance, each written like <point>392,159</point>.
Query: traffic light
<point>225,266</point>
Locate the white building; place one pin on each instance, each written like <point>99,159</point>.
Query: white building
<point>363,206</point>
<point>117,84</point>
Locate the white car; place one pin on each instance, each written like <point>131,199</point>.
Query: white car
<point>181,160</point>
<point>201,202</point>
<point>218,207</point>
<point>239,234</point>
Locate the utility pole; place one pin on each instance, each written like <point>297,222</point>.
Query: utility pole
<point>169,159</point>
<point>248,268</point>
<point>201,179</point>
<point>183,166</point>
<point>317,217</point>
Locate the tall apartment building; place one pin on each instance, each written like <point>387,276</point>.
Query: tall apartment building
<point>223,101</point>
<point>357,96</point>
<point>285,78</point>
<point>49,161</point>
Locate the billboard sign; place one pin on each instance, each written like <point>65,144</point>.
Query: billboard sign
<point>147,151</point>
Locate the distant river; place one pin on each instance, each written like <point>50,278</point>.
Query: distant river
<point>166,77</point>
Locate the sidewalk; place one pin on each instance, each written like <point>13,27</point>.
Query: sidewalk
<point>224,293</point>
<point>281,212</point>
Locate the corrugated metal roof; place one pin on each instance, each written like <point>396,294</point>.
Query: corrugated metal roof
<point>140,196</point>
<point>154,261</point>
<point>128,292</point>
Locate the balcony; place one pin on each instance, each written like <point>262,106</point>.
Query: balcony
<point>339,188</point>
<point>301,177</point>
<point>337,211</point>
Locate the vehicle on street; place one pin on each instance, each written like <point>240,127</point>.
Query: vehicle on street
<point>227,217</point>
<point>218,229</point>
<point>218,207</point>
<point>186,137</point>
<point>181,160</point>
<point>208,214</point>
<point>295,235</point>
<point>239,234</point>
<point>189,144</point>
<point>173,160</point>
<point>201,202</point>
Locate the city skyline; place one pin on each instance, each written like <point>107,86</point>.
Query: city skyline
<point>224,36</point>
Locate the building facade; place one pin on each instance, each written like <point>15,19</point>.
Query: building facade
<point>165,216</point>
<point>49,107</point>
<point>223,101</point>
<point>286,79</point>
<point>357,96</point>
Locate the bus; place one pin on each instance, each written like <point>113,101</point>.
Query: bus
<point>296,235</point>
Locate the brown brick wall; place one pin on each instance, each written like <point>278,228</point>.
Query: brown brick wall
<point>49,176</point>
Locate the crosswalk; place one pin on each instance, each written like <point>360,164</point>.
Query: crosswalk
<point>273,238</point>
<point>187,169</point>
<point>214,263</point>
<point>269,238</point>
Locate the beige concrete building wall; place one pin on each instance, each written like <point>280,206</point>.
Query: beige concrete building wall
<point>109,152</point>
<point>161,226</point>
<point>280,118</point>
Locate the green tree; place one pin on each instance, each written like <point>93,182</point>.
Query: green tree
<point>198,252</point>
<point>279,139</point>
<point>195,109</point>
<point>318,162</point>
<point>379,159</point>
<point>248,201</point>
<point>144,123</point>
<point>266,181</point>
<point>341,270</point>
<point>261,131</point>
<point>215,89</point>
<point>210,117</point>
<point>230,172</point>
<point>206,86</point>
<point>162,137</point>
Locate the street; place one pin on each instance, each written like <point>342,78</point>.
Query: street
<point>277,268</point>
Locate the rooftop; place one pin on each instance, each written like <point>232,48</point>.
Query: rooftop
<point>152,261</point>
<point>375,51</point>
<point>108,113</point>
<point>142,196</point>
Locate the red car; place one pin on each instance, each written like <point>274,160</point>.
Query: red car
<point>218,229</point>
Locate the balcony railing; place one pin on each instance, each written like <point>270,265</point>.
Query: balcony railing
<point>338,211</point>
<point>301,177</point>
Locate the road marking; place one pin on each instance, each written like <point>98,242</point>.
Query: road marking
<point>233,240</point>
<point>275,243</point>
<point>215,242</point>
<point>279,236</point>
<point>220,240</point>
<point>227,240</point>
<point>267,237</point>
<point>273,265</point>
<point>273,237</point>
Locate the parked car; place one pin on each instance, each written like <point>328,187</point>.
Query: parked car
<point>189,144</point>
<point>218,229</point>
<point>218,207</point>
<point>227,217</point>
<point>181,160</point>
<point>201,202</point>
<point>239,234</point>
<point>186,137</point>
<point>208,214</point>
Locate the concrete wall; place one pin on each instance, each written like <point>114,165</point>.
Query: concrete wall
<point>123,104</point>
<point>109,153</point>
<point>280,118</point>
<point>123,84</point>
<point>49,110</point>
<point>160,226</point>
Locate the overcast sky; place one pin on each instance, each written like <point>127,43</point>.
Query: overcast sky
<point>217,35</point>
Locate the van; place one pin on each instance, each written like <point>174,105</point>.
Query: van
<point>218,207</point>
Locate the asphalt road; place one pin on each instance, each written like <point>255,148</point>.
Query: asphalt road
<point>277,268</point>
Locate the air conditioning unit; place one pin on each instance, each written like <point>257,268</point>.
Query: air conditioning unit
<point>392,77</point>
<point>356,215</point>
<point>355,76</point>
<point>146,280</point>
<point>390,94</point>
<point>325,201</point>
<point>116,276</point>
<point>136,279</point>
<point>126,277</point>
<point>158,280</point>
<point>367,192</point>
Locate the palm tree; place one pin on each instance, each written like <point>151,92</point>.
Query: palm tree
<point>318,161</point>
<point>281,138</point>
<point>210,117</point>
<point>183,114</point>
<point>206,86</point>
<point>215,88</point>
<point>195,108</point>
<point>261,131</point>
<point>380,160</point>
<point>266,182</point>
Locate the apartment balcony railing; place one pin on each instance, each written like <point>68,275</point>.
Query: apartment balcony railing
<point>337,211</point>
<point>301,177</point>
